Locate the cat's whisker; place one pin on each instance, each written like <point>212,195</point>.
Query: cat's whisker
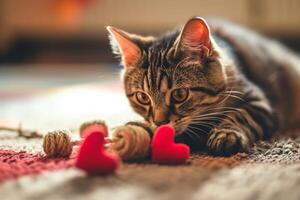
<point>207,123</point>
<point>222,113</point>
<point>181,123</point>
<point>194,133</point>
<point>188,133</point>
<point>199,129</point>
<point>236,97</point>
<point>229,120</point>
<point>225,98</point>
<point>228,108</point>
<point>233,91</point>
<point>222,101</point>
<point>214,117</point>
<point>198,118</point>
<point>200,126</point>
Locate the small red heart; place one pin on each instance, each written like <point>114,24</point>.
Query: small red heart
<point>165,151</point>
<point>93,158</point>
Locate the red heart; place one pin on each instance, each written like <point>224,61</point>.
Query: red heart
<point>164,150</point>
<point>93,158</point>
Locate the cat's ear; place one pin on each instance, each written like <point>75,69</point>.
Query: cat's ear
<point>124,46</point>
<point>194,38</point>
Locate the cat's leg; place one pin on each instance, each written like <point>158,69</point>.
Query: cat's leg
<point>241,128</point>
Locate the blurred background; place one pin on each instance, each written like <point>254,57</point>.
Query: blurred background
<point>48,45</point>
<point>73,31</point>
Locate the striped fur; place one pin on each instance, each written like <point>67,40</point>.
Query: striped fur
<point>233,86</point>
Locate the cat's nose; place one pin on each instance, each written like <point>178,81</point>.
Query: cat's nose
<point>159,123</point>
<point>161,116</point>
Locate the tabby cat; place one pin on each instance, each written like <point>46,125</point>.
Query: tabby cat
<point>221,86</point>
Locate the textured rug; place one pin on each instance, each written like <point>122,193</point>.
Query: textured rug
<point>270,171</point>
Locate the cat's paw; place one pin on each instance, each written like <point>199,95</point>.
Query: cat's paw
<point>225,142</point>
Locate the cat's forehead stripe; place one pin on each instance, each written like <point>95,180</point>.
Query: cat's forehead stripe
<point>164,84</point>
<point>145,83</point>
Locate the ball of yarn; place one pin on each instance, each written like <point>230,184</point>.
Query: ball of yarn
<point>131,142</point>
<point>58,144</point>
<point>91,123</point>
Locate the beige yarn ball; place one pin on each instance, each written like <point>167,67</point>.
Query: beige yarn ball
<point>131,142</point>
<point>58,143</point>
<point>90,123</point>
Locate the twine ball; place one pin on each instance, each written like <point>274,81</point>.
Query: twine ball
<point>91,123</point>
<point>58,143</point>
<point>131,142</point>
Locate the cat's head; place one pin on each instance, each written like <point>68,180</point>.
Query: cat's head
<point>174,78</point>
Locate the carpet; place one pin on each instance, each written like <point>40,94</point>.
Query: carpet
<point>270,171</point>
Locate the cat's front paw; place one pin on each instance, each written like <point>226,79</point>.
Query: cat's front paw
<point>225,142</point>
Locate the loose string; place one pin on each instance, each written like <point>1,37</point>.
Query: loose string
<point>25,133</point>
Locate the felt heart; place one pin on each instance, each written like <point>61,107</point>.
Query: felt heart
<point>165,151</point>
<point>93,158</point>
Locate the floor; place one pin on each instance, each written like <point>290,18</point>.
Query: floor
<point>55,97</point>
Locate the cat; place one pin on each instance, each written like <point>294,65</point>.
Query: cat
<point>221,86</point>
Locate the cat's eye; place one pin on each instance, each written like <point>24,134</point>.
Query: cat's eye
<point>180,95</point>
<point>142,98</point>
